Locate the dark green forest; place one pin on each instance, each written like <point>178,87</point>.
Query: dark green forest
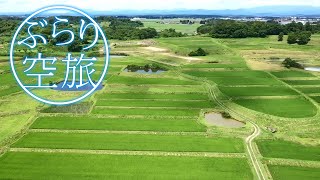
<point>236,29</point>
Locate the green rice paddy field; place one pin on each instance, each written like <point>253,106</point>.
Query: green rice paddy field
<point>60,165</point>
<point>151,126</point>
<point>134,142</point>
<point>257,91</point>
<point>293,172</point>
<point>154,103</point>
<point>146,111</point>
<point>291,108</point>
<point>119,124</point>
<point>288,150</point>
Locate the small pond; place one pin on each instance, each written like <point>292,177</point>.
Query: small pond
<point>313,69</point>
<point>145,71</point>
<point>86,87</point>
<point>218,120</point>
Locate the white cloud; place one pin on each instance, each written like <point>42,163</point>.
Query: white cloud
<point>100,5</point>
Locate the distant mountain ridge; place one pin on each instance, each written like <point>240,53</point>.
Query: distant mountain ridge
<point>282,10</point>
<point>257,11</point>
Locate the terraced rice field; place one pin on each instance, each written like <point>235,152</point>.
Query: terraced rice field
<point>215,65</point>
<point>154,96</point>
<point>290,108</point>
<point>140,81</point>
<point>288,150</point>
<point>143,120</point>
<point>303,82</point>
<point>99,166</point>
<point>280,172</point>
<point>309,90</point>
<point>258,91</point>
<point>146,112</point>
<point>234,78</point>
<point>154,103</point>
<point>134,142</point>
<point>120,124</point>
<point>293,73</point>
<point>316,98</point>
<point>151,127</point>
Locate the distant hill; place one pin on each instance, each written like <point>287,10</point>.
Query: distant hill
<point>257,11</point>
<point>282,10</point>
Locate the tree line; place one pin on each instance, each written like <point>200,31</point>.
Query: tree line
<point>236,29</point>
<point>115,28</point>
<point>125,29</point>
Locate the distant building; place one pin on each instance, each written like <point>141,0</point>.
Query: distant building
<point>137,19</point>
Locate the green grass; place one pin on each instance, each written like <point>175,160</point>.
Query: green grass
<point>269,43</point>
<point>12,124</point>
<point>119,124</point>
<point>290,108</point>
<point>146,112</point>
<point>215,65</point>
<point>89,166</point>
<point>279,172</point>
<point>136,81</point>
<point>184,28</point>
<point>10,90</point>
<point>289,74</point>
<point>185,96</point>
<point>134,142</point>
<point>257,91</point>
<point>154,103</point>
<point>184,45</point>
<point>303,82</point>
<point>288,150</point>
<point>257,74</point>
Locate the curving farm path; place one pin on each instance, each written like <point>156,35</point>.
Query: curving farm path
<point>249,140</point>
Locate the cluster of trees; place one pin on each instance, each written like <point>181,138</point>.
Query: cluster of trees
<point>301,38</point>
<point>186,22</point>
<point>236,29</point>
<point>198,52</point>
<point>203,22</point>
<point>147,67</point>
<point>170,33</point>
<point>8,25</point>
<point>289,63</point>
<point>125,29</point>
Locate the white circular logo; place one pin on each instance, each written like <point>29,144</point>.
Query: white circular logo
<point>80,64</point>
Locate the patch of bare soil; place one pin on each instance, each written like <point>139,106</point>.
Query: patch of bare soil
<point>217,120</point>
<point>165,52</point>
<point>189,59</point>
<point>155,49</point>
<point>260,65</point>
<point>146,43</point>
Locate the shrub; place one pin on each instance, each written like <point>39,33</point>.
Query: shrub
<point>226,115</point>
<point>292,38</point>
<point>280,37</point>
<point>198,52</point>
<point>288,63</point>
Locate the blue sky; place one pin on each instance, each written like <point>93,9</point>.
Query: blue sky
<point>107,5</point>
